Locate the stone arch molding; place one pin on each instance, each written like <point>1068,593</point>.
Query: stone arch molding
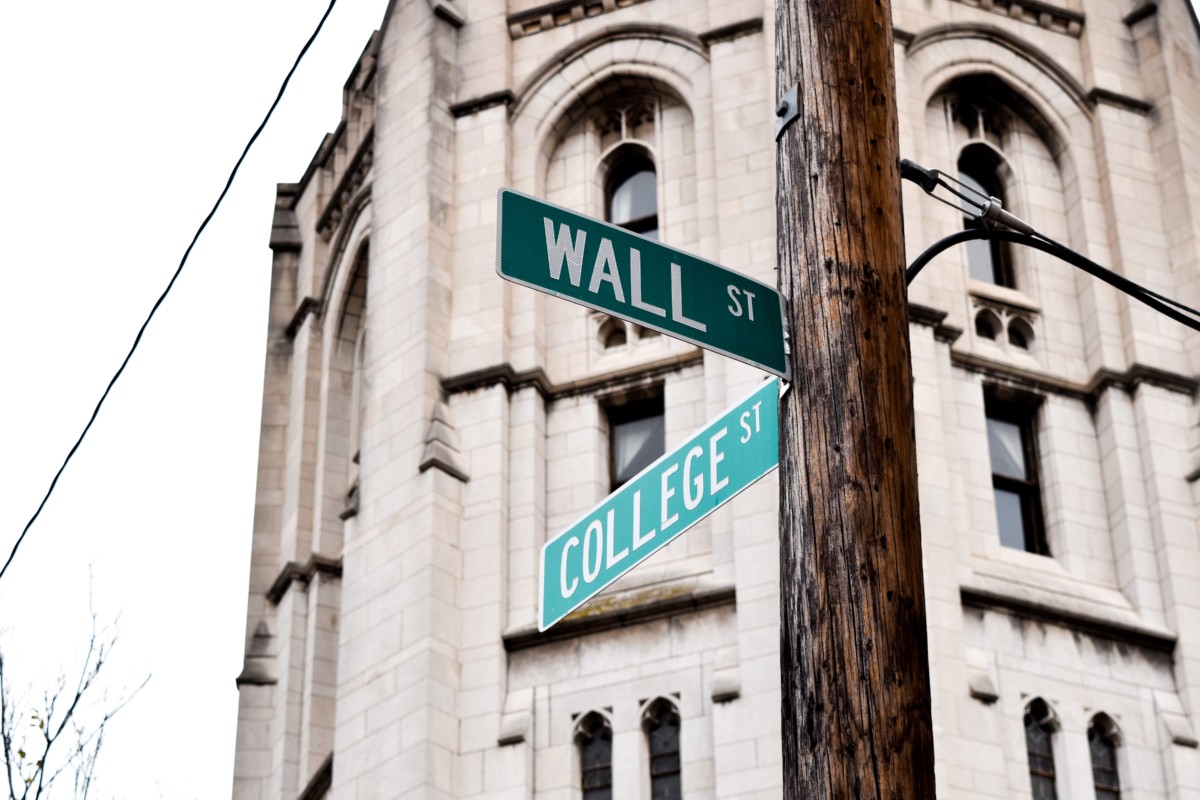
<point>353,235</point>
<point>650,707</point>
<point>935,58</point>
<point>580,723</point>
<point>661,54</point>
<point>939,56</point>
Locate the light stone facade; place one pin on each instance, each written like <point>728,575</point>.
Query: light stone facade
<point>426,425</point>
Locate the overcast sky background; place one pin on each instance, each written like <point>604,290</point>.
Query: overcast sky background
<point>121,122</point>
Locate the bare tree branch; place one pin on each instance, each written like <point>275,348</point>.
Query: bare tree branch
<point>63,714</point>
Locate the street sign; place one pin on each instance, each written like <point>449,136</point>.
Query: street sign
<point>601,266</point>
<point>659,503</point>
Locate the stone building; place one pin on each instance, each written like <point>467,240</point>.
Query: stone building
<point>427,426</point>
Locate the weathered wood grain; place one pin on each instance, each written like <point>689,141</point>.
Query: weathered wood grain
<point>855,664</point>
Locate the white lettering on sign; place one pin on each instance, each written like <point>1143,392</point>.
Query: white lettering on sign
<point>606,270</point>
<point>562,247</point>
<point>568,247</point>
<point>746,425</point>
<point>612,560</point>
<point>715,456</point>
<point>638,539</point>
<point>667,494</point>
<point>562,579</point>
<point>690,501</point>
<point>677,300</point>
<point>735,295</point>
<point>635,282</point>
<point>591,566</point>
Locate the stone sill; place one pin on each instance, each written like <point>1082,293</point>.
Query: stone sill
<point>624,609</point>
<point>1052,595</point>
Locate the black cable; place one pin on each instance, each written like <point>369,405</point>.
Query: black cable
<point>1156,301</point>
<point>137,339</point>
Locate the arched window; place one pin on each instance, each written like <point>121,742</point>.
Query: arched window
<point>1103,739</point>
<point>593,736</point>
<point>1040,725</point>
<point>612,334</point>
<point>632,192</point>
<point>987,260</point>
<point>351,347</point>
<point>661,723</point>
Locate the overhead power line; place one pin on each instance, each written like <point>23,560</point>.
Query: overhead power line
<point>990,211</point>
<point>170,284</point>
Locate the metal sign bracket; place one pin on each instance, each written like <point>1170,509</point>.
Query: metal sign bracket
<point>787,110</point>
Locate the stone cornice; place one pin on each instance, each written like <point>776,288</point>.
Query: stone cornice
<point>560,12</point>
<point>1100,382</point>
<point>304,573</point>
<point>1035,12</point>
<point>617,613</point>
<point>512,380</point>
<point>1143,11</point>
<point>309,305</point>
<point>727,33</point>
<point>933,318</point>
<point>1097,625</point>
<point>1109,98</point>
<point>285,229</point>
<point>476,104</point>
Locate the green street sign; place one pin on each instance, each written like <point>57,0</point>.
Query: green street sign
<point>608,268</point>
<point>662,501</point>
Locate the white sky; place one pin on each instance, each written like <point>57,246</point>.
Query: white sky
<point>121,121</point>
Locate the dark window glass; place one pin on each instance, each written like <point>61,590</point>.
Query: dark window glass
<point>662,734</point>
<point>633,195</point>
<point>1104,763</point>
<point>595,758</point>
<point>637,437</point>
<point>987,259</point>
<point>1011,449</point>
<point>1041,759</point>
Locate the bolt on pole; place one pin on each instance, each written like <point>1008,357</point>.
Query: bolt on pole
<point>853,646</point>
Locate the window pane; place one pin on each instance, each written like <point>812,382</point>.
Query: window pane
<point>635,197</point>
<point>1009,519</point>
<point>971,209</point>
<point>981,261</point>
<point>665,738</point>
<point>1041,760</point>
<point>1007,449</point>
<point>987,260</point>
<point>636,444</point>
<point>1104,765</point>
<point>667,788</point>
<point>662,735</point>
<point>1043,789</point>
<point>595,757</point>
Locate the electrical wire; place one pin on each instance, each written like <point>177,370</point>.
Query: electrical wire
<point>1156,301</point>
<point>170,284</point>
<point>990,211</point>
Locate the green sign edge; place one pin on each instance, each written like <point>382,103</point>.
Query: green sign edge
<point>783,373</point>
<point>543,626</point>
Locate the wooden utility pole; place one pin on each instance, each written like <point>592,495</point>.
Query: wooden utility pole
<point>855,663</point>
